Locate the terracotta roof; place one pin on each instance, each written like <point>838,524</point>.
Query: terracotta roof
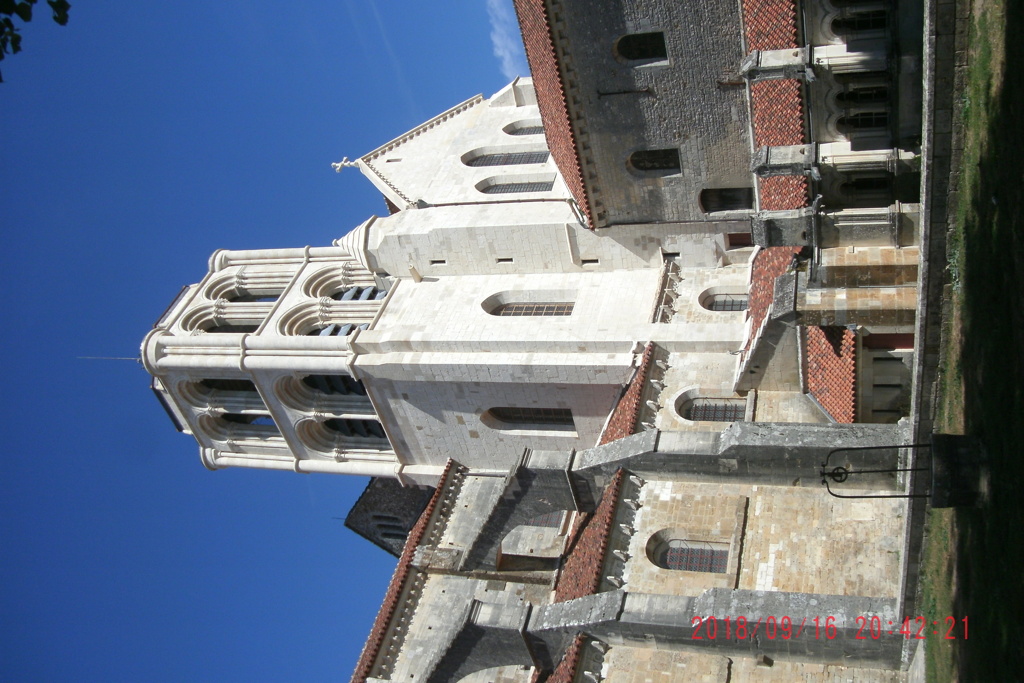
<point>769,24</point>
<point>831,370</point>
<point>777,112</point>
<point>380,626</point>
<point>565,671</point>
<point>776,105</point>
<point>535,25</point>
<point>768,264</point>
<point>783,192</point>
<point>623,420</point>
<point>581,574</point>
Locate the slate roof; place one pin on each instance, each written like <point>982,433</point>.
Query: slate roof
<point>623,419</point>
<point>391,598</point>
<point>535,25</point>
<point>581,573</point>
<point>831,370</point>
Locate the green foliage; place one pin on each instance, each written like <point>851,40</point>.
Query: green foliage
<point>10,37</point>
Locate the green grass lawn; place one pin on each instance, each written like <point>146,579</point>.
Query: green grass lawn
<point>974,558</point>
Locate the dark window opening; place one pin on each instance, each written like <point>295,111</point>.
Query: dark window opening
<point>529,417</point>
<point>336,330</point>
<point>860,21</point>
<point>646,47</point>
<point>509,159</point>
<point>246,298</point>
<point>863,121</point>
<point>738,240</point>
<point>229,384</point>
<point>255,419</point>
<point>335,384</point>
<point>715,199</point>
<point>361,428</point>
<point>359,294</point>
<point>871,95</point>
<point>232,329</point>
<point>664,160</point>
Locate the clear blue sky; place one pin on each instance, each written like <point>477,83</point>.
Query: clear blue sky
<point>135,141</point>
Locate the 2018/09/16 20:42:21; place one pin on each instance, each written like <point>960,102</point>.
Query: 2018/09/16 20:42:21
<point>784,628</point>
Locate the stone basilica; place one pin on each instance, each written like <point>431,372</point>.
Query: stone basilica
<point>617,317</point>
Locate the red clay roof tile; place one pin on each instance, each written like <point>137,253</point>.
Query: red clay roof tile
<point>768,264</point>
<point>623,419</point>
<point>535,25</point>
<point>565,671</point>
<point>832,369</point>
<point>581,574</point>
<point>387,609</point>
<point>769,24</point>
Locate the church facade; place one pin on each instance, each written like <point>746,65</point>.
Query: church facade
<point>617,317</point>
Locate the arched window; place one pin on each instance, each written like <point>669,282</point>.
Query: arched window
<point>508,417</point>
<point>692,556</point>
<point>242,297</point>
<point>544,309</point>
<point>255,420</point>
<point>508,159</point>
<point>232,329</point>
<point>857,22</point>
<point>713,409</point>
<point>862,121</point>
<point>514,188</point>
<point>715,199</point>
<point>335,330</point>
<point>660,161</point>
<point>531,127</point>
<point>858,96</point>
<point>359,294</point>
<point>725,302</point>
<point>229,385</point>
<point>335,384</point>
<point>366,429</point>
<point>642,47</point>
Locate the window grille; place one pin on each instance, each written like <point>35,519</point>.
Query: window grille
<point>509,159</point>
<point>642,47</point>
<point>528,417</point>
<point>513,188</point>
<point>716,410</point>
<point>863,120</point>
<point>527,130</point>
<point>726,302</point>
<point>694,556</point>
<point>534,309</point>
